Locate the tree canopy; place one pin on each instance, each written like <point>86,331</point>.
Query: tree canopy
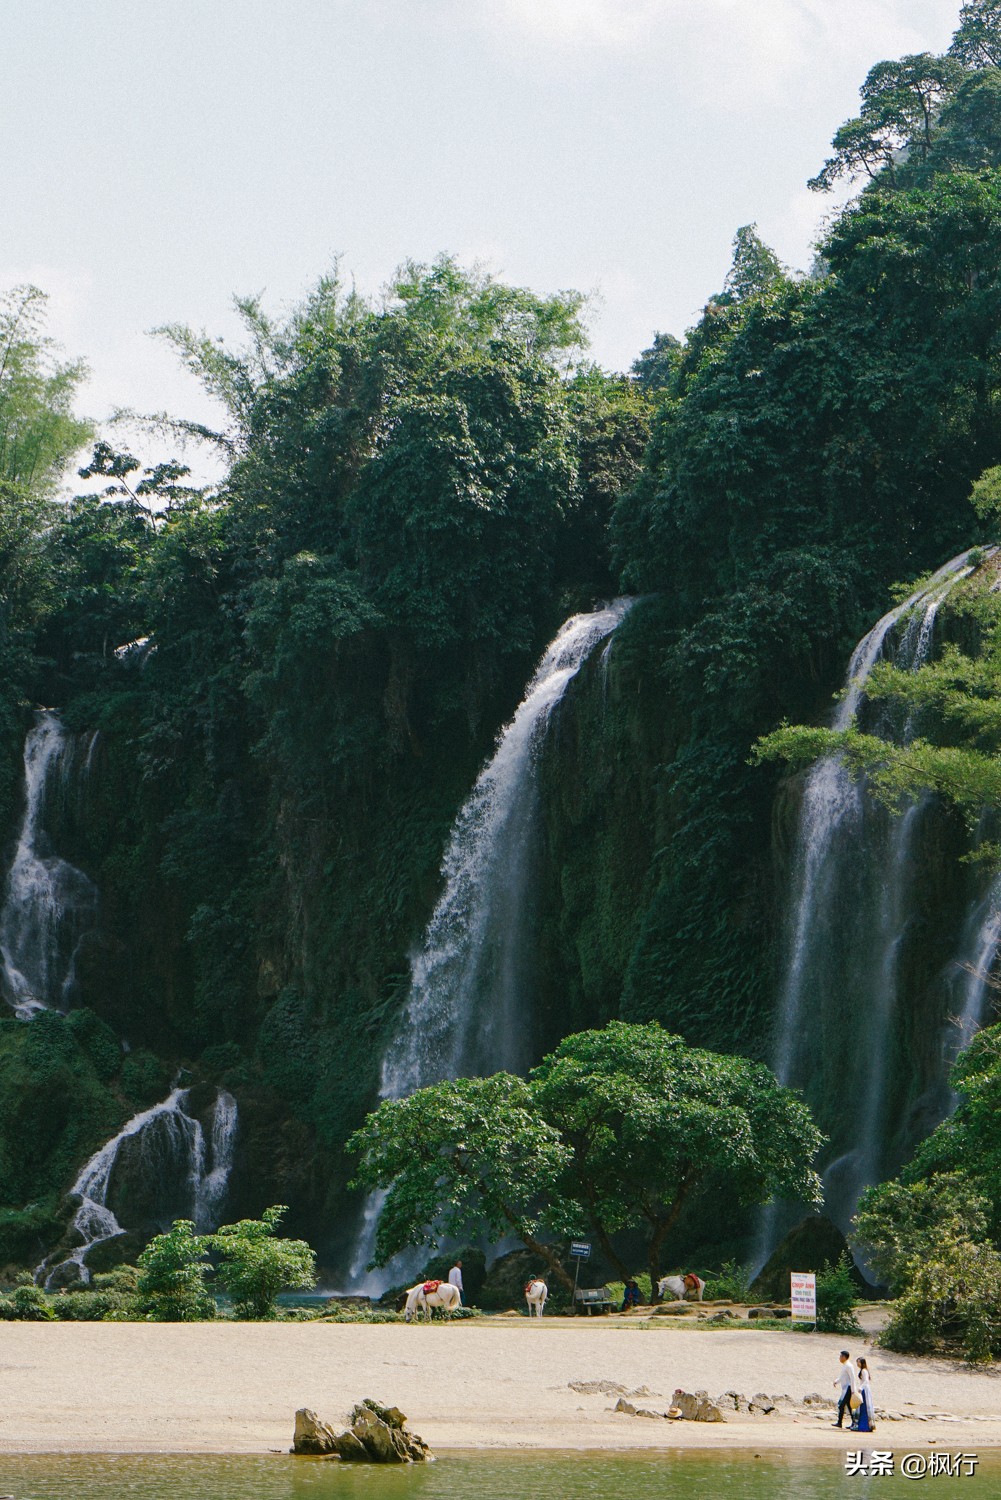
<point>616,1129</point>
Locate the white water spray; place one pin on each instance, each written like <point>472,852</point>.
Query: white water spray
<point>48,904</point>
<point>853,862</point>
<point>468,1010</point>
<point>164,1150</point>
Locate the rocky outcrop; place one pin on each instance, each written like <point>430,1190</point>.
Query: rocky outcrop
<point>377,1435</point>
<point>311,1435</point>
<point>697,1407</point>
<point>812,1245</point>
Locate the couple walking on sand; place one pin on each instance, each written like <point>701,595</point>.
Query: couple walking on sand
<point>856,1394</point>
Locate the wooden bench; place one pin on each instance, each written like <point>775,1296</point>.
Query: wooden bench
<point>594,1298</point>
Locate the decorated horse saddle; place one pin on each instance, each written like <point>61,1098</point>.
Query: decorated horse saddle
<point>430,1286</point>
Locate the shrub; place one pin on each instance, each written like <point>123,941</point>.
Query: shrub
<point>256,1266</point>
<point>172,1271</point>
<point>27,1303</point>
<point>837,1298</point>
<point>731,1280</point>
<point>952,1303</point>
<point>88,1306</point>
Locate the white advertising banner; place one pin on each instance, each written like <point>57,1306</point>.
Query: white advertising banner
<point>803,1299</point>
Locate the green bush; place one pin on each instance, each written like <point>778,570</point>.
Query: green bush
<point>731,1280</point>
<point>27,1303</point>
<point>837,1298</point>
<point>952,1304</point>
<point>92,1307</point>
<point>172,1271</point>
<point>335,1313</point>
<point>256,1265</point>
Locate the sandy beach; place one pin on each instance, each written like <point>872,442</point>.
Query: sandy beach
<point>234,1388</point>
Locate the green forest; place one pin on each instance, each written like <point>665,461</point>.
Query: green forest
<point>288,680</point>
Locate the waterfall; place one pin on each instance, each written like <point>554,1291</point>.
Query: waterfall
<point>978,951</point>
<point>468,1009</point>
<point>49,904</point>
<point>156,1169</point>
<point>850,918</point>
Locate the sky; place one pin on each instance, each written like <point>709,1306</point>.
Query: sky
<point>158,159</point>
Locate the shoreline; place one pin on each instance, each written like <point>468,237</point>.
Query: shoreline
<point>233,1388</point>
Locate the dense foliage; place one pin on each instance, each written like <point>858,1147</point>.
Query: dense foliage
<point>296,674</point>
<point>616,1130</point>
<point>255,1265</point>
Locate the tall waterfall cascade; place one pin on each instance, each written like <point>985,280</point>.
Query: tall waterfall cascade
<point>855,915</point>
<point>158,1168</point>
<point>48,904</point>
<point>468,1008</point>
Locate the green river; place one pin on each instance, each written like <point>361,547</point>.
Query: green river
<point>476,1476</point>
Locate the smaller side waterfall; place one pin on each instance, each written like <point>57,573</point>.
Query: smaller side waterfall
<point>852,919</point>
<point>48,904</point>
<point>978,952</point>
<point>155,1170</point>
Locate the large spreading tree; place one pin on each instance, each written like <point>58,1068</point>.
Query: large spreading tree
<point>617,1129</point>
<point>651,1124</point>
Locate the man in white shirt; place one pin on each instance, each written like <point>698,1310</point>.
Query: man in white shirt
<point>455,1276</point>
<point>846,1379</point>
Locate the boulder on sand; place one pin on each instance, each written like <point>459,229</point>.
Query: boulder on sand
<point>813,1244</point>
<point>697,1408</point>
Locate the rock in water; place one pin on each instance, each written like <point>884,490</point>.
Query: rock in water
<point>312,1435</point>
<point>377,1435</point>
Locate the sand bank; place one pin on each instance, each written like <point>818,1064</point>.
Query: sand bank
<point>233,1388</point>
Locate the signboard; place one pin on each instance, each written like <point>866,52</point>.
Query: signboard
<point>580,1250</point>
<point>803,1298</point>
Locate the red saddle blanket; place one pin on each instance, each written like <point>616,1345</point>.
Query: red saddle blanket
<point>431,1286</point>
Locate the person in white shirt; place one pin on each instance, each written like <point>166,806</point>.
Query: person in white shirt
<point>847,1380</point>
<point>455,1276</point>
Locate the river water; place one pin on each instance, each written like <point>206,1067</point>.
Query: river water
<point>749,1475</point>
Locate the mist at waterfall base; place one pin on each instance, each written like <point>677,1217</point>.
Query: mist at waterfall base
<point>887,951</point>
<point>469,1007</point>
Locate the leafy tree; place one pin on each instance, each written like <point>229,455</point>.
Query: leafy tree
<point>901,103</point>
<point>38,432</point>
<point>951,1301</point>
<point>654,370</point>
<point>977,40</point>
<point>651,1124</point>
<point>172,1272</point>
<point>465,1157</point>
<point>255,1265</point>
<point>755,267</point>
<point>968,1144</point>
<point>969,136</point>
<point>900,1225</point>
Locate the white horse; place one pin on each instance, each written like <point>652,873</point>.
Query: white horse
<point>536,1293</point>
<point>443,1295</point>
<point>680,1286</point>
